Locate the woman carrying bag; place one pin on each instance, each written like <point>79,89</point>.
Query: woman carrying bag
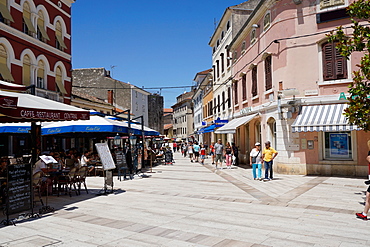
<point>255,157</point>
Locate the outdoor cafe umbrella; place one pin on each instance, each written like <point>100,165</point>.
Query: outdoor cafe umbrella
<point>93,125</point>
<point>23,107</point>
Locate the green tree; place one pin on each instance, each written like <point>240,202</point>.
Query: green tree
<point>358,111</point>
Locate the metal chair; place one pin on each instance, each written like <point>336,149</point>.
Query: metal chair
<point>66,182</point>
<point>37,182</point>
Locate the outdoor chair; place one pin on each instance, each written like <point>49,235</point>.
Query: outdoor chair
<point>36,184</point>
<point>66,182</point>
<point>81,178</point>
<point>70,163</point>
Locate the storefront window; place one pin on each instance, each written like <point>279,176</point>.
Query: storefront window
<point>338,146</point>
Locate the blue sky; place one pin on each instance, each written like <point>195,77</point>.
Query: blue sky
<point>152,43</point>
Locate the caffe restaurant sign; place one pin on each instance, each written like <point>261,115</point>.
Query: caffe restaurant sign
<point>40,114</point>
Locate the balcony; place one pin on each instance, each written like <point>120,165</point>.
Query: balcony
<point>52,95</point>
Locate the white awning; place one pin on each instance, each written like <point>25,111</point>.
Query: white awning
<point>322,118</point>
<point>231,126</point>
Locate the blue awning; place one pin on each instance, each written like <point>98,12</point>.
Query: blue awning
<point>210,128</point>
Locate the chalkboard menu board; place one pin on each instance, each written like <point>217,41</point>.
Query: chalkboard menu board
<point>19,188</point>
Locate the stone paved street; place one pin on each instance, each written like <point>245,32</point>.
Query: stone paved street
<point>189,204</point>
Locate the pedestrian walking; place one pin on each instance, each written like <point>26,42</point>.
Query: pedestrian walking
<point>174,147</point>
<point>363,215</point>
<point>196,149</point>
<point>184,148</point>
<point>236,154</point>
<point>255,158</point>
<point>228,155</point>
<point>212,152</point>
<point>219,151</point>
<point>190,151</point>
<point>268,155</point>
<point>202,154</point>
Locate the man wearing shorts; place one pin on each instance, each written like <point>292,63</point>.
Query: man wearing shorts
<point>196,149</point>
<point>219,151</point>
<point>363,215</point>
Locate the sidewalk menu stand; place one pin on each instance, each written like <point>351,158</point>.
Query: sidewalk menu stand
<point>108,165</point>
<point>19,192</point>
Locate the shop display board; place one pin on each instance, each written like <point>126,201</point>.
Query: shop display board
<point>105,156</point>
<point>19,188</point>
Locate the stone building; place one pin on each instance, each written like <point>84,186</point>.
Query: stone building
<point>97,82</point>
<point>183,126</point>
<point>155,112</point>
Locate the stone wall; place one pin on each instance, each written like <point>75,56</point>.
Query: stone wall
<point>155,113</point>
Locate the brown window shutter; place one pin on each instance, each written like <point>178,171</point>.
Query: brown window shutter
<point>340,65</point>
<point>244,85</point>
<point>254,81</point>
<point>228,97</point>
<point>328,61</point>
<point>236,92</point>
<point>268,74</point>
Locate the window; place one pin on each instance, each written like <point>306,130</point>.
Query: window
<point>41,31</point>
<point>218,68</point>
<point>330,3</point>
<point>222,35</point>
<point>266,21</point>
<point>334,64</point>
<point>59,81</point>
<point>268,73</point>
<point>211,108</point>
<point>40,75</point>
<point>222,63</point>
<point>253,36</point>
<point>235,55</point>
<point>244,87</point>
<point>5,73</point>
<point>26,71</point>
<point>338,146</point>
<point>254,81</point>
<point>59,43</point>
<point>227,58</point>
<point>5,16</point>
<point>27,24</point>
<point>223,101</point>
<point>214,106</point>
<point>236,92</point>
<point>219,103</point>
<point>229,97</point>
<point>228,25</point>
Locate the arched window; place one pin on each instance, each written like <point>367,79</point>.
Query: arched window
<point>5,74</point>
<point>27,23</point>
<point>59,81</point>
<point>253,36</point>
<point>5,16</point>
<point>41,30</point>
<point>59,37</point>
<point>243,46</point>
<point>26,71</point>
<point>266,21</point>
<point>40,80</point>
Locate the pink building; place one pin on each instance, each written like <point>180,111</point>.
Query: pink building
<point>289,87</point>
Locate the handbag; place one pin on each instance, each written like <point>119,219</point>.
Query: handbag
<point>254,158</point>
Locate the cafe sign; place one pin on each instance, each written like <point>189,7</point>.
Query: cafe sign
<point>246,110</point>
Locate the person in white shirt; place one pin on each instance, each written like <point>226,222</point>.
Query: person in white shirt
<point>255,157</point>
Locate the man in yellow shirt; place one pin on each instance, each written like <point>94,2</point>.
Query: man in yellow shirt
<point>268,155</point>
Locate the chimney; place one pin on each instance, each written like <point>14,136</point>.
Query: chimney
<point>110,97</point>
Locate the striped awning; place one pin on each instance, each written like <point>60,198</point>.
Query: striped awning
<point>322,118</point>
<point>230,127</point>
